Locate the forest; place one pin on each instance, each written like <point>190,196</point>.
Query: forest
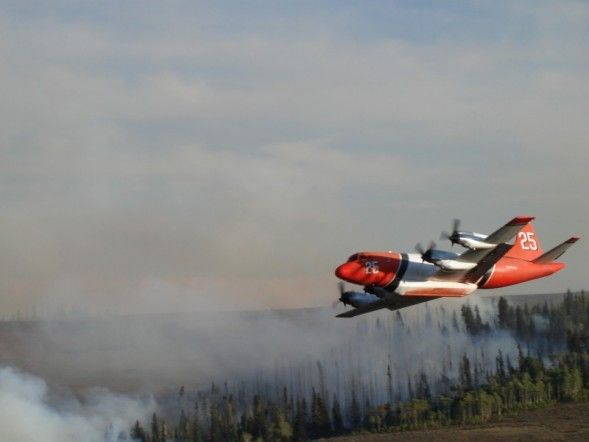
<point>540,355</point>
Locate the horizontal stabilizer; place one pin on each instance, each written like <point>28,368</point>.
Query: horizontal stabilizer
<point>556,252</point>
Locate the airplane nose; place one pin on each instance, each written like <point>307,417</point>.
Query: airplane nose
<point>344,271</point>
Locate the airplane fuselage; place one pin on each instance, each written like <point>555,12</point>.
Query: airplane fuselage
<point>407,275</point>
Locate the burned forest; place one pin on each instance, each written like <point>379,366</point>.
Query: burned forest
<point>429,367</point>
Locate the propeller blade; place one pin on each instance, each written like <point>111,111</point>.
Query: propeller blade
<point>419,248</point>
<point>453,237</point>
<point>342,291</point>
<point>455,225</point>
<point>432,245</point>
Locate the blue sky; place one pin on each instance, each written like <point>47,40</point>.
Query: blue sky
<point>184,149</point>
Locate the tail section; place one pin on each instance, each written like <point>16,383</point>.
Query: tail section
<point>556,252</point>
<point>527,245</point>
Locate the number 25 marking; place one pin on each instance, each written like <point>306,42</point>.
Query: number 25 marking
<point>527,241</point>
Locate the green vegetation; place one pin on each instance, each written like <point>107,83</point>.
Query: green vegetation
<point>538,377</point>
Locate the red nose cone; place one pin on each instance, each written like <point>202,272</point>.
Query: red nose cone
<point>345,271</point>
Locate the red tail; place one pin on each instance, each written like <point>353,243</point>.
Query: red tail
<point>527,245</point>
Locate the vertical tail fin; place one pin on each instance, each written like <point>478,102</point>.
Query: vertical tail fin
<point>527,245</point>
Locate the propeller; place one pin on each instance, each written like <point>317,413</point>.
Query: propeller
<point>454,236</point>
<point>344,297</point>
<point>426,255</point>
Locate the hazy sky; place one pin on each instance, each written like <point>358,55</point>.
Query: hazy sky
<point>178,156</point>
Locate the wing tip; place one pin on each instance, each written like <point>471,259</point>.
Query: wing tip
<point>573,239</point>
<point>521,220</point>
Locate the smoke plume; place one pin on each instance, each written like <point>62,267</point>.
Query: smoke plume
<point>29,413</point>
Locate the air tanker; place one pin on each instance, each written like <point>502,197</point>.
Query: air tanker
<point>394,280</point>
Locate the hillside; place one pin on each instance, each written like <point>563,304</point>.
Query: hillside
<point>557,422</point>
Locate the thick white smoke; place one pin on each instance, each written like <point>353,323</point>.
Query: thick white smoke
<point>28,414</point>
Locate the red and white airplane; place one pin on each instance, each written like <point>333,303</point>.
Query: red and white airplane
<point>396,280</point>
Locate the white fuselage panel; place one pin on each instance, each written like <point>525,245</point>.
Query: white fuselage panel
<point>416,280</point>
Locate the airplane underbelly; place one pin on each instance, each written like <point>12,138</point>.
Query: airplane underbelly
<point>435,288</point>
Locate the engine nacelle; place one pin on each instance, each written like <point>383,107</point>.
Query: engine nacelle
<point>452,264</point>
<point>358,299</point>
<point>446,260</point>
<point>471,240</point>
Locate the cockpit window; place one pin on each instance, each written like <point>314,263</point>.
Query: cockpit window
<point>354,257</point>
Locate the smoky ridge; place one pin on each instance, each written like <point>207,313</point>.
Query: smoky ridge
<point>384,357</point>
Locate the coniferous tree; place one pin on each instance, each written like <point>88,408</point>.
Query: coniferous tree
<point>320,423</point>
<point>390,383</point>
<point>423,390</point>
<point>300,422</point>
<point>367,414</point>
<point>155,428</point>
<point>338,422</point>
<point>410,392</point>
<point>479,326</point>
<point>545,309</point>
<point>355,416</point>
<point>322,389</point>
<point>216,433</point>
<point>520,322</point>
<point>568,302</point>
<point>164,433</point>
<point>182,430</point>
<point>510,367</point>
<point>195,429</point>
<point>500,366</point>
<point>468,318</point>
<point>280,429</point>
<point>138,433</point>
<point>503,312</point>
<point>465,373</point>
<point>285,402</point>
<point>259,418</point>
<point>455,322</point>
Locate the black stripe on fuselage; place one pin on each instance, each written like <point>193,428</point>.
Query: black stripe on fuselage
<point>486,277</point>
<point>400,273</point>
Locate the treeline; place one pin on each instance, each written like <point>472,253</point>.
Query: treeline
<point>552,324</point>
<point>479,394</point>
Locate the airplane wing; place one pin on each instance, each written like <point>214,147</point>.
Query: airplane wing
<point>473,275</point>
<point>501,235</point>
<point>377,305</point>
<point>479,257</point>
<point>509,230</point>
<point>396,303</point>
<point>487,260</point>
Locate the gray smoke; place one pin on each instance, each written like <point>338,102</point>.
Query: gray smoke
<point>29,413</point>
<point>161,352</point>
<point>255,352</point>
